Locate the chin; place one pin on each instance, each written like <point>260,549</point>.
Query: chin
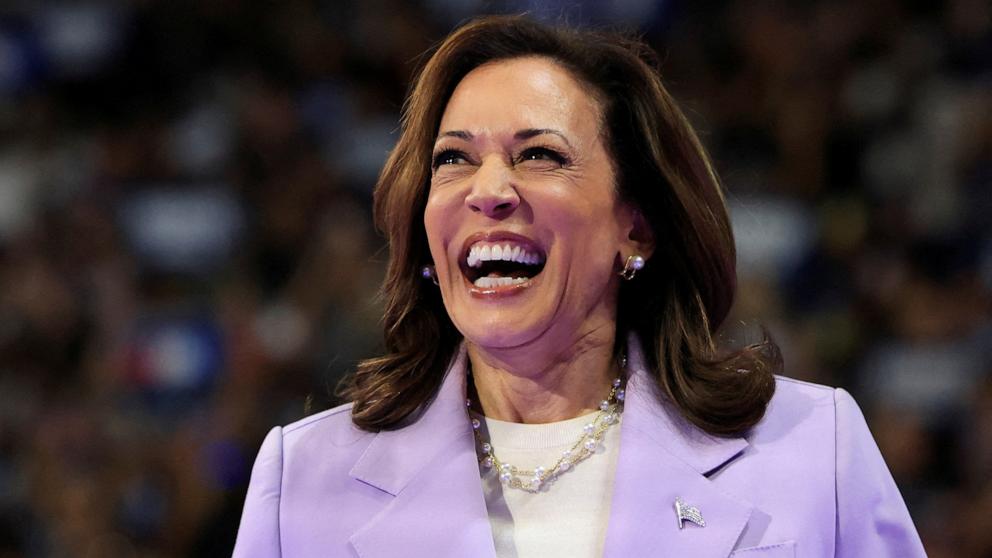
<point>499,328</point>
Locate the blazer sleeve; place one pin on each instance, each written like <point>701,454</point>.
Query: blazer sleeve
<point>872,519</point>
<point>258,535</point>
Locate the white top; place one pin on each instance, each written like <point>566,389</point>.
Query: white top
<point>570,516</point>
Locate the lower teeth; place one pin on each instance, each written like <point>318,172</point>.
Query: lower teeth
<point>490,282</point>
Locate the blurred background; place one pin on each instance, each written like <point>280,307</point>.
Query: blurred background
<point>186,255</point>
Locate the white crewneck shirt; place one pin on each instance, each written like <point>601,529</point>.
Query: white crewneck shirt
<point>569,517</point>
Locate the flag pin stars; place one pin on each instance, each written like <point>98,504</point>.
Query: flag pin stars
<point>685,512</point>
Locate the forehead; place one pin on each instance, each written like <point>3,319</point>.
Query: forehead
<point>531,92</point>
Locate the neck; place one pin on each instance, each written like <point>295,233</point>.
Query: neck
<point>542,383</point>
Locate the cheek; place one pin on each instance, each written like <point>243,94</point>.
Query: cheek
<point>439,221</point>
<point>585,222</point>
<point>589,237</point>
<point>433,220</point>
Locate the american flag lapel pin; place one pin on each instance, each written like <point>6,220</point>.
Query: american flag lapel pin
<point>685,512</point>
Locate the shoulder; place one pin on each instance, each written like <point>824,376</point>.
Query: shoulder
<point>793,450</point>
<point>796,435</point>
<point>328,438</point>
<point>331,420</point>
<point>790,388</point>
<point>814,439</point>
<point>300,478</point>
<point>807,414</point>
<point>799,405</point>
<point>330,432</point>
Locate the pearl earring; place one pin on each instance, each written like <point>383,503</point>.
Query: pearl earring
<point>427,272</point>
<point>630,268</point>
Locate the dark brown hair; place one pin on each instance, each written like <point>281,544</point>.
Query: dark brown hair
<point>674,305</point>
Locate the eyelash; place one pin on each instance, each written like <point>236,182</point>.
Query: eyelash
<point>445,156</point>
<point>551,153</point>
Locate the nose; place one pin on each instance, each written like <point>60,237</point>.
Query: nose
<point>493,193</point>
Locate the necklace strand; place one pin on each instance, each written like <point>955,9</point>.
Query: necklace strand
<point>534,480</point>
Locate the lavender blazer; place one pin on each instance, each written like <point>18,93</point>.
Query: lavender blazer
<point>807,481</point>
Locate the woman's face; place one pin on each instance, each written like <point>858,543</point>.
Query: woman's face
<point>523,220</point>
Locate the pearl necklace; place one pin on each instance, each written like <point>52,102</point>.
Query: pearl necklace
<point>534,480</point>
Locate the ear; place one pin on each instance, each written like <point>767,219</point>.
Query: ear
<point>639,234</point>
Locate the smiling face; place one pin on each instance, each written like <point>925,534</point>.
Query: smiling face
<point>523,220</point>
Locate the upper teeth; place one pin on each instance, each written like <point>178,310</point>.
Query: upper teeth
<point>506,252</point>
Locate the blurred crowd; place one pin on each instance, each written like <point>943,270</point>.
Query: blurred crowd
<point>187,258</point>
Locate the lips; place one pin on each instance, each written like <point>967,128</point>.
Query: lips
<point>500,260</point>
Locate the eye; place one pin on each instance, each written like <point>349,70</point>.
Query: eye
<point>449,157</point>
<point>542,154</point>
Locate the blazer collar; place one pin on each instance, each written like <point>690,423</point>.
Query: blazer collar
<point>648,412</point>
<point>663,457</point>
<point>431,469</point>
<point>394,457</point>
<point>438,509</point>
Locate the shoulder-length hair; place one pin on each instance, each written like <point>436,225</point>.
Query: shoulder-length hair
<point>674,305</point>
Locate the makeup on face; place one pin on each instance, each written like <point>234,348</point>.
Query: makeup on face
<point>522,218</point>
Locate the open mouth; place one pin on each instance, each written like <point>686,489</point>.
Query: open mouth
<point>503,263</point>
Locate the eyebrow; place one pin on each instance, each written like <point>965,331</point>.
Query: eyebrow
<point>534,132</point>
<point>520,135</point>
<point>460,134</point>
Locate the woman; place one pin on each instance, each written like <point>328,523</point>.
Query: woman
<point>560,258</point>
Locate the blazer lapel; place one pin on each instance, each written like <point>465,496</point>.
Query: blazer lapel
<point>438,509</point>
<point>431,470</point>
<point>663,458</point>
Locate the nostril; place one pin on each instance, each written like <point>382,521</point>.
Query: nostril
<point>492,199</point>
<point>493,208</point>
